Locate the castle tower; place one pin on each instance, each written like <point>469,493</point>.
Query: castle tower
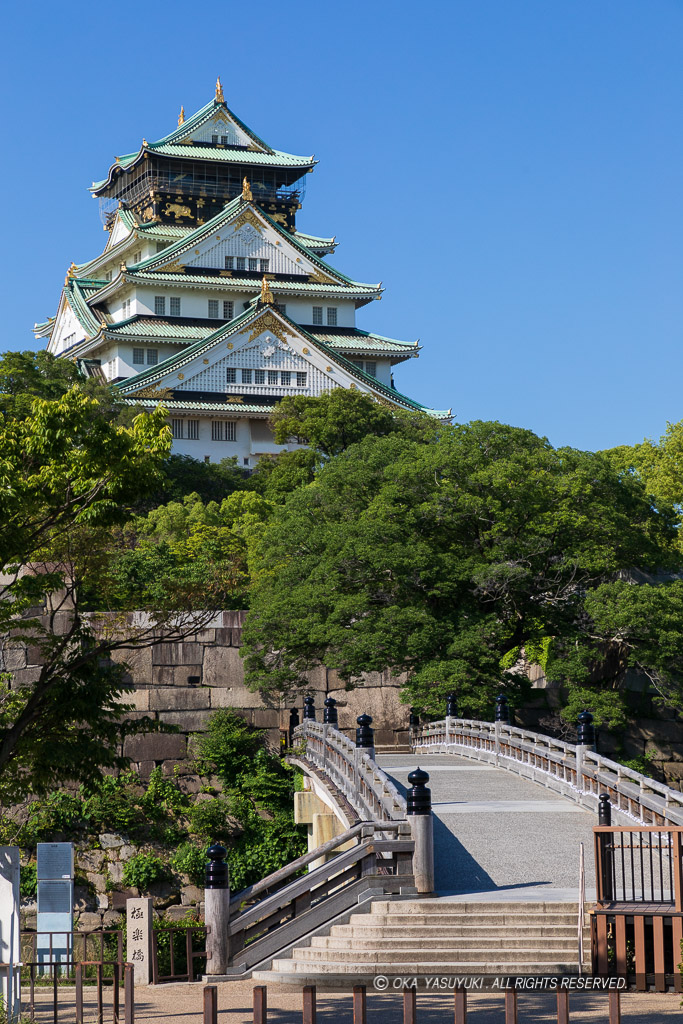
<point>207,297</point>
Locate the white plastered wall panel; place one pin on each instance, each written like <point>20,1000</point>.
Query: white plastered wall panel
<point>248,242</point>
<point>220,124</point>
<point>68,331</point>
<point>118,233</point>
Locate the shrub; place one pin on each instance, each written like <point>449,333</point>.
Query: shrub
<point>143,870</point>
<point>210,820</point>
<point>190,860</point>
<point>28,881</point>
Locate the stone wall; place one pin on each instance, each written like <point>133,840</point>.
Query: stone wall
<point>182,683</point>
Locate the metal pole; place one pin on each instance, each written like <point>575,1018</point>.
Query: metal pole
<point>409,1006</point>
<point>309,1014</point>
<point>605,819</point>
<point>79,993</point>
<point>210,1004</point>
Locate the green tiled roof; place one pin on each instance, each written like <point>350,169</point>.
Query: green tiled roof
<point>190,124</point>
<point>77,292</point>
<point>235,326</point>
<point>224,216</point>
<point>355,340</point>
<point>176,329</point>
<point>251,285</point>
<point>313,241</point>
<point>174,405</point>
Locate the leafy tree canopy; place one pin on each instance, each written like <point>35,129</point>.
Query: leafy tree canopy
<point>25,376</point>
<point>66,472</point>
<point>451,561</point>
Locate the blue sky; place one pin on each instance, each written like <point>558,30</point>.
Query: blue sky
<point>512,172</point>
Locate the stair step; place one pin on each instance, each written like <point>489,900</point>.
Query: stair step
<point>400,957</point>
<point>455,943</point>
<point>452,931</point>
<point>358,968</point>
<point>440,906</point>
<point>447,920</point>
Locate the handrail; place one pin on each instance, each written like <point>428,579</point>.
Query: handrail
<point>574,770</point>
<point>355,774</point>
<point>313,899</point>
<point>307,858</point>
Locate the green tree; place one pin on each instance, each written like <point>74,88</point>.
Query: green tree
<point>25,376</point>
<point>67,471</point>
<point>447,558</point>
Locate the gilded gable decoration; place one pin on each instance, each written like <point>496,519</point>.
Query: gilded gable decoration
<point>268,322</point>
<point>219,97</point>
<point>153,392</point>
<point>246,190</point>
<point>248,217</point>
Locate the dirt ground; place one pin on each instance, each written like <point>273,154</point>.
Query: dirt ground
<point>182,1004</point>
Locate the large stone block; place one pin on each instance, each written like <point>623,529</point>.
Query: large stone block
<point>14,657</point>
<point>154,746</point>
<point>179,698</point>
<point>139,663</point>
<point>265,718</point>
<point>183,673</point>
<point>181,653</point>
<point>222,667</point>
<point>26,676</point>
<point>188,721</point>
<point>234,619</point>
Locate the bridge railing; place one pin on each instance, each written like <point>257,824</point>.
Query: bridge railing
<point>371,793</point>
<point>575,771</point>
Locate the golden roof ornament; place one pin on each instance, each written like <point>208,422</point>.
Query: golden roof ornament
<point>181,116</point>
<point>246,190</point>
<point>220,98</point>
<point>266,294</point>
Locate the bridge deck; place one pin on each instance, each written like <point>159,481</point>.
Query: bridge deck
<point>498,835</point>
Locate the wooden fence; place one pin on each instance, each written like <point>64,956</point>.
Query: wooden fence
<point>637,924</point>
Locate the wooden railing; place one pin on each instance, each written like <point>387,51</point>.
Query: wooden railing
<point>304,904</point>
<point>637,925</point>
<point>353,773</point>
<point>574,771</point>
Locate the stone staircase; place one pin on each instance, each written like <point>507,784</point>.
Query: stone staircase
<point>438,936</point>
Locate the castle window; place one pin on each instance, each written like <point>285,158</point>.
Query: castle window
<point>161,246</point>
<point>331,316</point>
<point>224,140</point>
<point>263,266</point>
<point>318,316</point>
<point>193,430</point>
<point>223,431</point>
<point>246,376</point>
<point>213,309</point>
<point>138,357</point>
<point>245,461</point>
<point>160,305</point>
<point>253,264</point>
<point>241,263</point>
<point>231,375</point>
<point>177,429</point>
<point>281,307</point>
<point>229,262</point>
<point>357,362</point>
<point>272,376</point>
<point>371,368</point>
<point>175,305</point>
<point>152,357</point>
<point>285,377</point>
<point>301,378</point>
<point>228,309</point>
<point>214,140</point>
<point>259,376</point>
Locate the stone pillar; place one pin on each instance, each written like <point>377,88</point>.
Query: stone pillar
<point>10,973</point>
<point>419,811</point>
<point>139,938</point>
<point>217,911</point>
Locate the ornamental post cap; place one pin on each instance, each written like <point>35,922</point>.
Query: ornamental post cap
<point>329,702</point>
<point>219,97</point>
<point>246,190</point>
<point>585,717</point>
<point>418,778</point>
<point>364,720</point>
<point>268,300</point>
<point>181,116</point>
